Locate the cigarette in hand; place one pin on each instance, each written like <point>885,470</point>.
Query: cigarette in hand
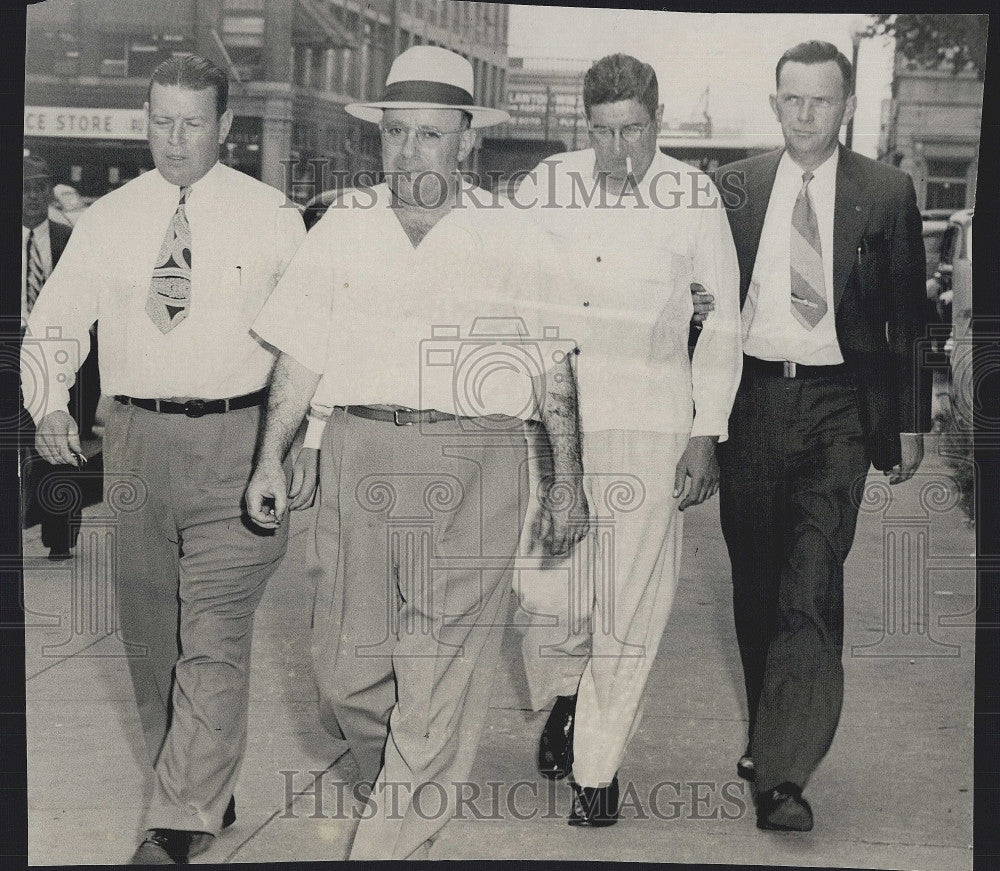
<point>628,165</point>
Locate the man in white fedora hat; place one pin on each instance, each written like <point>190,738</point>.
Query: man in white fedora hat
<point>398,312</point>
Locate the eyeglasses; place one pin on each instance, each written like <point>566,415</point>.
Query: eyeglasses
<point>630,133</point>
<point>426,136</point>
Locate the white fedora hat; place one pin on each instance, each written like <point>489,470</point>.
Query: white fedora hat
<point>429,77</point>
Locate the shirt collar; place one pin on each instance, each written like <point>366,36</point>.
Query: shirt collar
<point>824,174</point>
<point>41,231</point>
<point>208,180</point>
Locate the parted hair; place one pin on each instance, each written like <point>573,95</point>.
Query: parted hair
<point>620,77</point>
<point>815,51</point>
<point>195,73</point>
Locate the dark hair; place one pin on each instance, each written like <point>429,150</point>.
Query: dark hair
<point>815,51</point>
<point>620,77</point>
<point>194,73</point>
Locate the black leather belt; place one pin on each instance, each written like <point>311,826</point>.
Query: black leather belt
<point>401,416</point>
<point>197,407</point>
<point>788,369</point>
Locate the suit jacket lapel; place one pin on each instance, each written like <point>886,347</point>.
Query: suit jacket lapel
<point>850,214</point>
<point>759,185</point>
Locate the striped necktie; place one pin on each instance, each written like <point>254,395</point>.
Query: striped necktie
<point>808,284</point>
<point>35,274</point>
<point>169,296</point>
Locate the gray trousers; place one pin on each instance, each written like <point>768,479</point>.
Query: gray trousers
<point>415,537</point>
<point>191,572</point>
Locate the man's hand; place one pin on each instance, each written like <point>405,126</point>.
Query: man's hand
<point>698,463</point>
<point>266,494</point>
<point>57,439</point>
<point>564,518</point>
<point>912,445</point>
<point>305,473</point>
<point>704,303</point>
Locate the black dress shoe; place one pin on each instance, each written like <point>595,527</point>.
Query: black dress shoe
<point>229,817</point>
<point>783,809</point>
<point>56,553</point>
<point>595,806</point>
<point>555,747</point>
<point>745,767</point>
<point>164,847</point>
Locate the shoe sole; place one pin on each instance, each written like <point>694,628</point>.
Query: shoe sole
<point>778,827</point>
<point>592,824</point>
<point>554,773</point>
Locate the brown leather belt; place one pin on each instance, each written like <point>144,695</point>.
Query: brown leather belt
<point>197,407</point>
<point>402,416</point>
<point>788,369</point>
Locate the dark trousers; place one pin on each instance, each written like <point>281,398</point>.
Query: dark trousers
<point>51,496</point>
<point>792,472</point>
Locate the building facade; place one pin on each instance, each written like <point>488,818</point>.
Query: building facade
<point>931,129</point>
<point>293,64</point>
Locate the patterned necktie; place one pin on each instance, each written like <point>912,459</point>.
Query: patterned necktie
<point>35,274</point>
<point>169,295</point>
<point>808,284</point>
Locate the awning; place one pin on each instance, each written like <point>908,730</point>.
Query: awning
<point>313,24</point>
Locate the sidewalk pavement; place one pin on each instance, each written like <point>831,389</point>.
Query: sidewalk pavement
<point>895,790</point>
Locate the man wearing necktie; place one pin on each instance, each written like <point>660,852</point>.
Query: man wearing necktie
<point>175,266</point>
<point>49,495</point>
<point>832,293</point>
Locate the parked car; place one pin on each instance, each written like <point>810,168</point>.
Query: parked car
<point>955,275</point>
<point>935,223</point>
<point>956,245</point>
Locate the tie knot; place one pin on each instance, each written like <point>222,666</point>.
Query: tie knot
<point>806,178</point>
<point>184,194</point>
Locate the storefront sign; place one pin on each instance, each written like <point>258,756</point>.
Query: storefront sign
<point>84,123</point>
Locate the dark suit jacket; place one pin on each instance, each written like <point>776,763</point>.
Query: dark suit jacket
<point>58,237</point>
<point>879,289</point>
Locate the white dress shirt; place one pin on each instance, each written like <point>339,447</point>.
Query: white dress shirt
<point>243,234</point>
<point>771,331</point>
<point>632,260</point>
<point>44,242</point>
<point>428,327</point>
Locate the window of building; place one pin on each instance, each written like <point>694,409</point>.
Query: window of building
<point>946,184</point>
<point>243,36</point>
<point>49,52</point>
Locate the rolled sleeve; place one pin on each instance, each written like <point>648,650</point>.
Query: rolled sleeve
<point>717,363</point>
<point>296,317</point>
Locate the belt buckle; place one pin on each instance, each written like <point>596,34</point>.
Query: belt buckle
<point>397,421</point>
<point>194,407</point>
<point>789,368</point>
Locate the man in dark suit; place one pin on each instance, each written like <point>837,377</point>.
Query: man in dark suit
<point>50,495</point>
<point>832,295</point>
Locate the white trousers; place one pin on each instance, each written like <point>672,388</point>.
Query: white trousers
<point>596,616</point>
